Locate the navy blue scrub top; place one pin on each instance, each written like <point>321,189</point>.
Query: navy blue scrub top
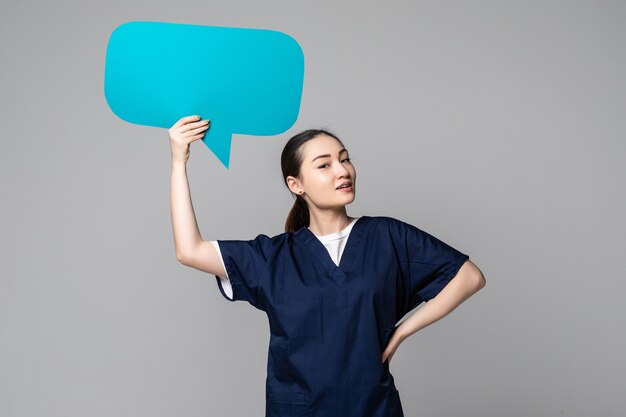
<point>330,324</point>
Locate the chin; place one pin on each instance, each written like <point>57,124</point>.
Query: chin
<point>350,199</point>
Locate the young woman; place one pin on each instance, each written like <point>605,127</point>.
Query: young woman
<point>333,286</point>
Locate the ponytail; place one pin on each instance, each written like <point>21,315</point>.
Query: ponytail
<point>298,215</point>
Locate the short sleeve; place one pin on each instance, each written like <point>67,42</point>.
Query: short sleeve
<point>427,264</point>
<point>245,263</point>
<point>224,282</point>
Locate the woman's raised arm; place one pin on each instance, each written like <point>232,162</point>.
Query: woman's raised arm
<point>191,250</point>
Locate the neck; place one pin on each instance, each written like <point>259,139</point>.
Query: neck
<point>326,222</point>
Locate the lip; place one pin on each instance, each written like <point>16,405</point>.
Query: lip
<point>345,183</point>
<point>345,190</point>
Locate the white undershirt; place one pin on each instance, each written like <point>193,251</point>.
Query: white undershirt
<point>334,243</point>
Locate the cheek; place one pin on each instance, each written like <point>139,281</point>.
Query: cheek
<point>318,180</point>
<point>324,182</point>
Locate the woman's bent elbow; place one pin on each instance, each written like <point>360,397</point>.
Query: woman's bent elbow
<point>478,277</point>
<point>181,258</point>
<point>481,280</point>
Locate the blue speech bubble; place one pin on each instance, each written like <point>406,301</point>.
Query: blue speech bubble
<point>246,81</point>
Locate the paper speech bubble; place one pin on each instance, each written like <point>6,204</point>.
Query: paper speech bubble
<point>246,81</point>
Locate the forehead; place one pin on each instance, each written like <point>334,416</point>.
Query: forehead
<point>319,145</point>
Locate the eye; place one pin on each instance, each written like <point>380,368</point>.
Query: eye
<point>343,160</point>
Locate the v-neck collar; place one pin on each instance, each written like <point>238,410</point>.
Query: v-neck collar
<point>336,272</point>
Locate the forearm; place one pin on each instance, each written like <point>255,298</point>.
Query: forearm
<point>186,233</point>
<point>467,282</point>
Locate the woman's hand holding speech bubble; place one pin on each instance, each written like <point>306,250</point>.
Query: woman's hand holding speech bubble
<point>182,133</point>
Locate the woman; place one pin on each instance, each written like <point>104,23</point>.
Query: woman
<point>333,286</point>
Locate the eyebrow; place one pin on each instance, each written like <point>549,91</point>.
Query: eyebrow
<point>328,155</point>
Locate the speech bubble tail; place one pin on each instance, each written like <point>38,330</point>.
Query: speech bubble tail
<point>219,143</point>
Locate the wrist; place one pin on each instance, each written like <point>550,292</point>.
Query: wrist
<point>400,332</point>
<point>178,165</point>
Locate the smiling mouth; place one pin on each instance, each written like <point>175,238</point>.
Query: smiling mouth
<point>345,188</point>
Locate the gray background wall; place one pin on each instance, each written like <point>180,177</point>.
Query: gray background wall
<point>496,126</point>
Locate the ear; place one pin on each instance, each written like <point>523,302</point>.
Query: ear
<point>294,184</point>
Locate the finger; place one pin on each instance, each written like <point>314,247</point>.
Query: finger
<point>192,132</point>
<point>194,138</point>
<point>184,120</point>
<point>195,125</point>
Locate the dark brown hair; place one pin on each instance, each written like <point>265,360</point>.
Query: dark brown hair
<point>290,162</point>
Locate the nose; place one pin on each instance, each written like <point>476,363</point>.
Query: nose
<point>342,171</point>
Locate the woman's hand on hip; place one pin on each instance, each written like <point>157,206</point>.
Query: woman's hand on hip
<point>182,133</point>
<point>396,339</point>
